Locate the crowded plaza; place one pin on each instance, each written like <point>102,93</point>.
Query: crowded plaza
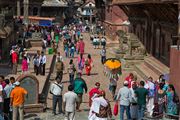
<point>75,71</point>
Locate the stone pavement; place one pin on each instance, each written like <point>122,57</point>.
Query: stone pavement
<point>97,75</point>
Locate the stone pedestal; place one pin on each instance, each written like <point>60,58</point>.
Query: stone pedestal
<point>31,84</point>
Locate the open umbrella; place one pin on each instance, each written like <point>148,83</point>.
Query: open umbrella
<point>112,63</point>
<point>112,67</point>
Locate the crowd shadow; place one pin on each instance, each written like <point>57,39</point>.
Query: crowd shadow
<point>31,115</point>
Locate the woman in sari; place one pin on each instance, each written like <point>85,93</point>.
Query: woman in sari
<point>171,105</point>
<point>88,64</point>
<point>81,46</point>
<point>81,62</point>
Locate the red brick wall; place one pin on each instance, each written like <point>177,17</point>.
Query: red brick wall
<point>114,17</point>
<point>174,69</point>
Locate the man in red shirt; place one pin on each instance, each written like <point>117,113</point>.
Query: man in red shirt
<point>93,91</point>
<point>14,62</point>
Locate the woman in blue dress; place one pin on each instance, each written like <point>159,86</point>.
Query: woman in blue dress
<point>171,105</point>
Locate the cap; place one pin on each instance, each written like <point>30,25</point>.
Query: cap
<point>97,84</point>
<point>17,83</point>
<point>126,83</point>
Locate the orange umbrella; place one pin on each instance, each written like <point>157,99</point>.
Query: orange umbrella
<point>112,63</point>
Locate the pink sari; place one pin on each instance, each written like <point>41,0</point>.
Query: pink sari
<point>81,47</point>
<point>24,65</point>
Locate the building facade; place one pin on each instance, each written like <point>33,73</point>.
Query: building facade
<point>155,22</point>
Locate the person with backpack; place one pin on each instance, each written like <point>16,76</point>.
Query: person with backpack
<point>59,68</point>
<point>56,90</point>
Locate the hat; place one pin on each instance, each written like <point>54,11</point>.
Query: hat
<point>17,83</point>
<point>126,83</point>
<point>97,84</point>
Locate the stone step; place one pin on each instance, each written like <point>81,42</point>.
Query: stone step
<point>34,108</point>
<point>156,65</point>
<point>145,71</point>
<point>36,44</point>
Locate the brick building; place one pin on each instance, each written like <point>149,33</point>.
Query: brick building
<point>153,21</point>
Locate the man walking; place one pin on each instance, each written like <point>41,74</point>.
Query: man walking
<point>43,63</point>
<point>70,98</point>
<point>8,88</point>
<point>56,90</point>
<point>101,108</point>
<point>59,68</point>
<point>124,95</point>
<point>79,85</point>
<point>141,94</point>
<point>17,101</point>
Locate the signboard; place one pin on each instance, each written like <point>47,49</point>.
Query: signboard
<point>45,23</point>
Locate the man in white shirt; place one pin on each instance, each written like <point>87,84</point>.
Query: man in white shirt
<point>124,96</point>
<point>70,98</point>
<point>56,90</point>
<point>8,88</point>
<point>43,63</point>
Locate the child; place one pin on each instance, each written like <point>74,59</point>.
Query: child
<point>72,49</point>
<point>24,65</point>
<point>103,55</point>
<point>66,50</point>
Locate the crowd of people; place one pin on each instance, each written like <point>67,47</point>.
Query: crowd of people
<point>12,98</point>
<point>153,97</point>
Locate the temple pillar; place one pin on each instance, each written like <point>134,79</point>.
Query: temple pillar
<point>26,11</point>
<point>18,8</point>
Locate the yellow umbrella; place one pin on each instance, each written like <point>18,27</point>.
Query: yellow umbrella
<point>112,63</point>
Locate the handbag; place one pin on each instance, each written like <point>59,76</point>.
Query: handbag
<point>115,111</point>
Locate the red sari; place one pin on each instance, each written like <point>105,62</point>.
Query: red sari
<point>88,66</point>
